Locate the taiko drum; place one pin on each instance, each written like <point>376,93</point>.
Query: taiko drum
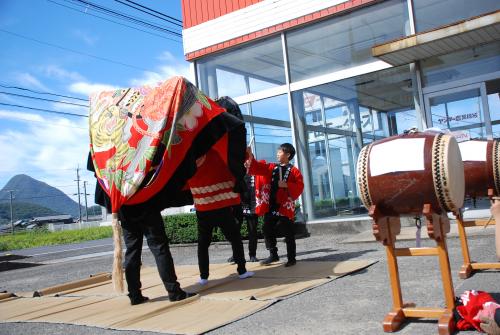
<point>481,166</point>
<point>400,174</point>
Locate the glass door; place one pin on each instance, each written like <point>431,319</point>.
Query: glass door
<point>462,110</point>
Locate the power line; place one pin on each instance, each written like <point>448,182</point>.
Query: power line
<point>152,10</point>
<point>115,22</point>
<point>37,98</point>
<point>38,92</point>
<point>74,51</point>
<point>43,110</point>
<point>128,17</point>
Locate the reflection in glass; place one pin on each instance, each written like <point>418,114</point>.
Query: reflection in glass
<point>343,167</point>
<point>493,92</point>
<point>459,111</point>
<point>379,103</point>
<point>332,166</point>
<point>399,121</point>
<point>272,108</point>
<point>245,109</point>
<point>344,41</point>
<point>431,14</point>
<point>268,139</point>
<point>462,64</point>
<point>339,118</point>
<point>243,70</point>
<point>496,131</point>
<point>320,178</point>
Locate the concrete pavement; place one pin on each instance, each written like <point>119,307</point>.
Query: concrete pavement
<point>354,304</point>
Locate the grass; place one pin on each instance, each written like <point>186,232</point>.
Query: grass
<point>180,228</point>
<point>38,238</point>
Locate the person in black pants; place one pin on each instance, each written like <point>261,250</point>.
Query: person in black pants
<point>246,211</point>
<point>223,218</point>
<point>272,223</point>
<point>135,226</point>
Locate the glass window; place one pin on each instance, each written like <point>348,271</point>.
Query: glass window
<point>313,109</point>
<point>369,106</point>
<point>245,69</point>
<point>431,14</point>
<point>320,177</point>
<point>461,110</point>
<point>332,166</point>
<point>496,131</point>
<point>381,102</point>
<point>462,64</point>
<point>344,41</point>
<point>343,166</point>
<point>493,92</point>
<point>272,108</point>
<point>245,109</point>
<point>399,121</point>
<point>268,139</point>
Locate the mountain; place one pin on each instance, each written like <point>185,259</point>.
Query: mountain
<point>29,190</point>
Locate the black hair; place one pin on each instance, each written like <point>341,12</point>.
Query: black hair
<point>231,106</point>
<point>287,148</point>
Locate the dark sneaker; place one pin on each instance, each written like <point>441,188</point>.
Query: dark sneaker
<point>136,299</point>
<point>179,295</point>
<point>291,262</point>
<point>270,259</point>
<point>253,259</point>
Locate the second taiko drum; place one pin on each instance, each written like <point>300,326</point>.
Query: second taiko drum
<point>481,167</point>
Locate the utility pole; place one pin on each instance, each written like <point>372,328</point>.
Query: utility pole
<point>78,185</point>
<point>85,193</point>
<point>11,211</point>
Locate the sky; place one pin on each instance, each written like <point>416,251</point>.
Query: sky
<point>69,49</point>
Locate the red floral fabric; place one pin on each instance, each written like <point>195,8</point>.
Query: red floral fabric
<point>129,126</point>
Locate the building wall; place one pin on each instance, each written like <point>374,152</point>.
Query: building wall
<point>195,12</point>
<point>261,19</point>
<point>314,82</point>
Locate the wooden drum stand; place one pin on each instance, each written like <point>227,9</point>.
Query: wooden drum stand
<point>385,229</point>
<point>469,267</point>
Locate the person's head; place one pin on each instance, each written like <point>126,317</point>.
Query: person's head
<point>285,153</point>
<point>230,105</point>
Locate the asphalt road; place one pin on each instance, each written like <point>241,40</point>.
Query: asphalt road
<point>354,304</point>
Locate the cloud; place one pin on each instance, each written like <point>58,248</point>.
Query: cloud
<point>8,98</point>
<point>87,89</point>
<point>27,80</point>
<point>164,73</point>
<point>173,67</point>
<point>49,151</point>
<point>57,72</point>
<point>12,115</point>
<point>167,56</point>
<point>85,37</point>
<point>71,108</point>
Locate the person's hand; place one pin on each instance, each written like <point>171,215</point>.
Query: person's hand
<point>488,311</point>
<point>282,184</point>
<point>495,208</point>
<point>489,326</point>
<point>250,156</point>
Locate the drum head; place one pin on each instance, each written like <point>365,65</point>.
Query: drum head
<point>496,166</point>
<point>448,173</point>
